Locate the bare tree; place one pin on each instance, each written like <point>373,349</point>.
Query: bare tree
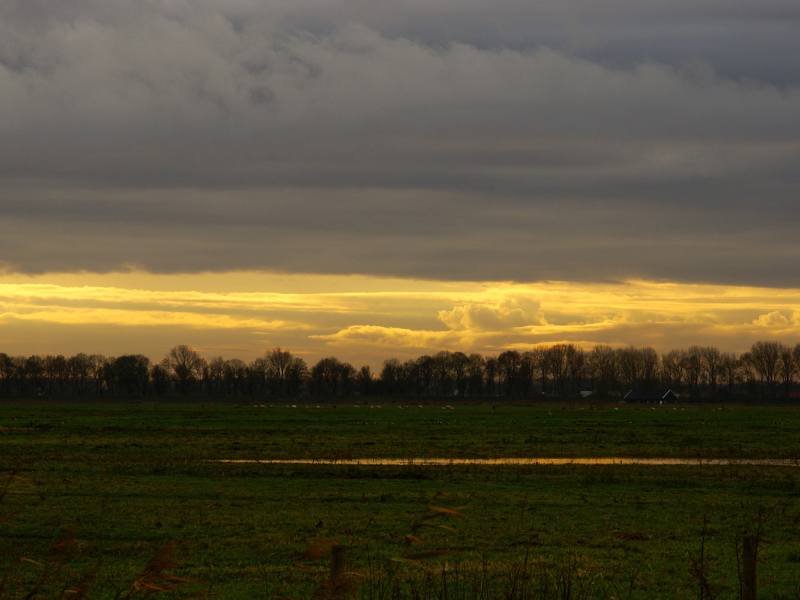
<point>327,375</point>
<point>694,368</point>
<point>79,366</point>
<point>19,366</point>
<point>34,369</point>
<point>459,363</point>
<point>628,362</point>
<point>160,378</point>
<point>557,362</point>
<point>258,371</point>
<point>541,366</point>
<point>442,373</point>
<point>347,378</point>
<point>364,380</point>
<point>527,373</point>
<point>508,367</point>
<point>491,371</point>
<point>129,373</point>
<point>96,363</point>
<point>424,366</point>
<point>648,370</point>
<point>280,361</point>
<point>6,373</point>
<point>796,357</point>
<point>390,375</point>
<point>234,374</point>
<point>185,364</point>
<point>729,369</point>
<point>712,359</point>
<point>216,373</point>
<point>765,357</point>
<point>673,365</point>
<point>748,373</point>
<point>603,362</point>
<point>786,368</point>
<point>411,383</point>
<point>296,375</point>
<point>576,365</point>
<point>476,371</point>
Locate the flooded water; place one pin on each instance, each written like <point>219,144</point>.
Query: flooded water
<point>522,461</point>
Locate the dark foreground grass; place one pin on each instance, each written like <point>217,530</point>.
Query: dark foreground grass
<point>128,479</point>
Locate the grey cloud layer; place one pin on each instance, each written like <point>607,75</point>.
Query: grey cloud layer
<point>474,140</point>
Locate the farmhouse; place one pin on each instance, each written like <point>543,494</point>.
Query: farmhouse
<point>651,396</point>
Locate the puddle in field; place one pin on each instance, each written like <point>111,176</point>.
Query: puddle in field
<point>522,461</point>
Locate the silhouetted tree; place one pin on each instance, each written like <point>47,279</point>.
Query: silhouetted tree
<point>648,370</point>
<point>234,375</point>
<point>258,372</point>
<point>6,373</point>
<point>79,366</point>
<point>729,368</point>
<point>576,365</point>
<point>603,361</point>
<point>34,369</point>
<point>748,373</point>
<point>786,368</point>
<point>185,364</point>
<point>476,371</point>
<point>296,375</point>
<point>508,367</point>
<point>672,366</point>
<point>527,373</point>
<point>160,378</point>
<point>765,357</point>
<point>281,362</point>
<point>712,363</point>
<point>130,373</point>
<point>409,382</point>
<point>425,372</point>
<point>491,370</point>
<point>459,363</point>
<point>694,368</point>
<point>557,361</point>
<point>364,381</point>
<point>541,366</point>
<point>326,376</point>
<point>390,375</point>
<point>96,363</point>
<point>215,374</point>
<point>442,373</point>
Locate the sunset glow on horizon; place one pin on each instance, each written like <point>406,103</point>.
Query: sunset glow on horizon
<point>367,319</point>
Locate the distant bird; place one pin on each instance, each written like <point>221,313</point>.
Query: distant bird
<point>318,525</point>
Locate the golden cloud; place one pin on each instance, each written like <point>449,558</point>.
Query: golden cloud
<point>508,313</point>
<point>370,316</point>
<point>773,319</point>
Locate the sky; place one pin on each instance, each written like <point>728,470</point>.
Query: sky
<point>368,180</point>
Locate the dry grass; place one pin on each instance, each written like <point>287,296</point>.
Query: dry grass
<point>53,576</point>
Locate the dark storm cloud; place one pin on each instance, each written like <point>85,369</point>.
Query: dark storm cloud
<point>474,140</point>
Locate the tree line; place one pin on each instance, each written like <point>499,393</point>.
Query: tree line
<point>770,369</point>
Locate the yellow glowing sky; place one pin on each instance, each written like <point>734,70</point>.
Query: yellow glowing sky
<point>366,319</point>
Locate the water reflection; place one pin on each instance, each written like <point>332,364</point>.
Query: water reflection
<point>520,461</point>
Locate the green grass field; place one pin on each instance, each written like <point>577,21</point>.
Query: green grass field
<point>130,478</point>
